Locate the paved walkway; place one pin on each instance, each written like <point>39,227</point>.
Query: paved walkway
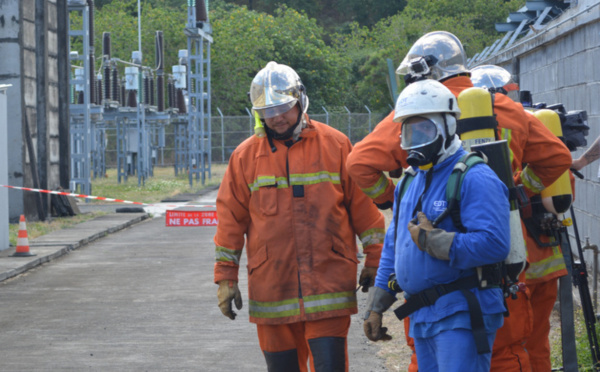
<point>179,326</point>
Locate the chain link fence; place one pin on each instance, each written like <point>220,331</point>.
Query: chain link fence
<point>227,132</point>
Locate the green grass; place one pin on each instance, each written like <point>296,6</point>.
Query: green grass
<point>35,229</point>
<point>584,357</point>
<point>164,184</point>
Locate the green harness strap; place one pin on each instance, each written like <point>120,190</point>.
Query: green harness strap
<point>452,188</point>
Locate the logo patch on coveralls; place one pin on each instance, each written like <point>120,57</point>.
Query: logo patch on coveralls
<point>439,205</point>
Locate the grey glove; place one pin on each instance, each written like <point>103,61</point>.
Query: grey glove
<point>436,242</point>
<point>378,302</point>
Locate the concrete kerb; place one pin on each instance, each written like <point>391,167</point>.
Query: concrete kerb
<point>58,243</point>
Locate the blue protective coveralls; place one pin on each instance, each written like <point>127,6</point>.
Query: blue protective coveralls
<point>485,215</point>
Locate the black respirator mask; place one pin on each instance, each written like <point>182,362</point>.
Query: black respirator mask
<point>422,140</point>
<point>428,154</point>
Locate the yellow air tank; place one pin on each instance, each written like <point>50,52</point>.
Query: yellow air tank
<point>477,130</point>
<point>477,124</point>
<point>557,197</point>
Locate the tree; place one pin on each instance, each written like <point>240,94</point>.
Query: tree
<point>245,41</point>
<point>343,68</point>
<point>472,21</point>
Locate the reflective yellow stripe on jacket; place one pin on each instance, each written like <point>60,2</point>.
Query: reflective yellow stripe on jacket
<point>531,181</point>
<point>547,266</point>
<point>278,309</point>
<point>372,236</point>
<point>506,134</point>
<point>378,188</point>
<point>329,301</point>
<point>295,179</point>
<point>228,255</point>
<point>262,181</point>
<point>312,304</point>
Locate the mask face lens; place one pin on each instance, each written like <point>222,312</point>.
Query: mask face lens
<point>271,112</point>
<point>418,132</point>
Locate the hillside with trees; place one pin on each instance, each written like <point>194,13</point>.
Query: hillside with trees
<point>338,47</point>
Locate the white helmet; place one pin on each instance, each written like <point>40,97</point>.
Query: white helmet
<point>437,55</point>
<point>428,112</point>
<point>275,90</point>
<point>425,97</point>
<point>493,78</point>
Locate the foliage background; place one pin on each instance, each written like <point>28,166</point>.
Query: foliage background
<point>338,47</point>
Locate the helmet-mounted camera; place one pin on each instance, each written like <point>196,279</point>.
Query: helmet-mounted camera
<point>420,66</point>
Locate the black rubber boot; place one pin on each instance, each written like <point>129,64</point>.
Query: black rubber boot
<point>282,361</point>
<point>329,354</point>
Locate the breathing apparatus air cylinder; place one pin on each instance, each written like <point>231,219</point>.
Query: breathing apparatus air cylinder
<point>478,133</point>
<point>556,198</point>
<point>477,123</point>
<point>498,156</point>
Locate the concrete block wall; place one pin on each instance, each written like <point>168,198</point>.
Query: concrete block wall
<point>29,46</point>
<point>30,99</point>
<point>52,91</point>
<point>560,64</point>
<point>11,37</point>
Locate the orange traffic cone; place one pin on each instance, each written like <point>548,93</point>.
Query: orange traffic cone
<point>22,240</point>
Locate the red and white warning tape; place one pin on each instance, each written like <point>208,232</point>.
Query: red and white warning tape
<point>74,195</point>
<point>94,197</point>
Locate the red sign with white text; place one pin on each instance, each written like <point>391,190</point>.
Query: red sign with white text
<point>191,218</point>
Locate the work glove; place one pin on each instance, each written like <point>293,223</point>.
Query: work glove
<point>433,241</point>
<point>367,278</point>
<point>228,291</point>
<point>378,302</point>
<point>373,329</point>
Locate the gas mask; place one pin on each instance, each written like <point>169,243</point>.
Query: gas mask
<point>423,139</point>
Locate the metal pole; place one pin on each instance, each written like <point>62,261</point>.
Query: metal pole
<point>369,111</point>
<point>349,124</point>
<point>222,136</point>
<point>326,115</point>
<point>594,248</point>
<point>140,29</point>
<point>4,242</point>
<point>251,124</point>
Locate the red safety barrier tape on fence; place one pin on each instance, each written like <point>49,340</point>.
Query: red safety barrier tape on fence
<point>94,197</point>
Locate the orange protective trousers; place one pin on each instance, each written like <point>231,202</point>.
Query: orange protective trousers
<point>509,353</point>
<point>543,297</point>
<point>282,337</point>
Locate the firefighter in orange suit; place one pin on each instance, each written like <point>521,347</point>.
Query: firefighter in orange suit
<point>287,192</point>
<point>439,55</point>
<point>546,264</point>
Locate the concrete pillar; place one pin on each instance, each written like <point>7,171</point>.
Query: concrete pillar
<point>3,169</point>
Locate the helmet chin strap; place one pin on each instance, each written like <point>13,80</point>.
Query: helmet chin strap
<point>288,133</point>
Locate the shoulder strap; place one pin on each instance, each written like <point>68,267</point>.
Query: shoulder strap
<point>409,176</point>
<point>454,186</point>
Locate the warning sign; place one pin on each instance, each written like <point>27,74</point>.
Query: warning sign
<point>191,218</point>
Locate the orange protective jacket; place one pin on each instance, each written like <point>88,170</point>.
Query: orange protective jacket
<point>530,143</point>
<point>300,212</point>
<point>528,139</point>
